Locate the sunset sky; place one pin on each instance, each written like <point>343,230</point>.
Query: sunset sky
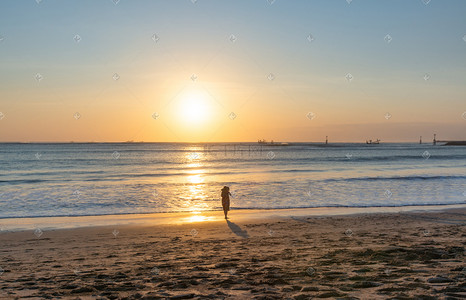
<point>216,71</point>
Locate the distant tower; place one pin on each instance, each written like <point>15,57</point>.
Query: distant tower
<point>420,139</point>
<point>435,139</point>
<point>326,139</point>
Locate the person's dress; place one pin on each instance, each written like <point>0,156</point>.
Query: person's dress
<point>225,201</point>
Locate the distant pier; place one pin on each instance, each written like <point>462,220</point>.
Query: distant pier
<point>448,143</point>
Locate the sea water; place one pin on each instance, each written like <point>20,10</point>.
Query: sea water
<point>116,178</point>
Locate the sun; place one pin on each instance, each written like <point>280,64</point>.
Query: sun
<point>194,108</point>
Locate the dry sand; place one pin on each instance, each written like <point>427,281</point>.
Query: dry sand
<point>409,255</point>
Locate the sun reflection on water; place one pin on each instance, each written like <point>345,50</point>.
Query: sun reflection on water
<point>195,178</point>
<point>194,192</point>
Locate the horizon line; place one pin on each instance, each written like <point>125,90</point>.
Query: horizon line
<point>223,142</point>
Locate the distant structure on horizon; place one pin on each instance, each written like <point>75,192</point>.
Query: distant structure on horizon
<point>272,143</point>
<point>448,143</point>
<point>371,142</point>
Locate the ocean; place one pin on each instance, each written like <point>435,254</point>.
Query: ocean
<point>126,178</point>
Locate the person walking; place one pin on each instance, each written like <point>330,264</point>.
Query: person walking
<point>226,200</point>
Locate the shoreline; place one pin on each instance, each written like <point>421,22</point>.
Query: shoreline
<point>171,218</point>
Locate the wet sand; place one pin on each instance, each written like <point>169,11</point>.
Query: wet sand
<point>407,255</point>
<point>46,223</point>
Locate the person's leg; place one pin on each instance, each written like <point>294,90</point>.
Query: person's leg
<point>225,208</point>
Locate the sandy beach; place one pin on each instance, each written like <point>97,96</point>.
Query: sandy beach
<point>397,255</point>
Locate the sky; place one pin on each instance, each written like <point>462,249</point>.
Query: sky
<point>232,71</point>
